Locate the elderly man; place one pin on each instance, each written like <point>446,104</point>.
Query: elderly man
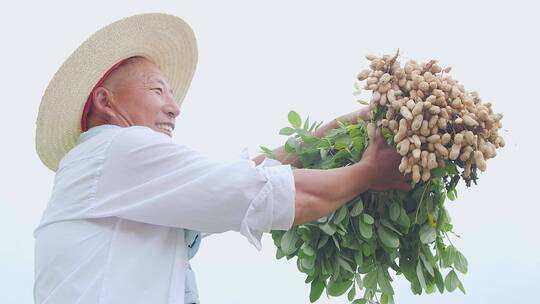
<point>129,204</point>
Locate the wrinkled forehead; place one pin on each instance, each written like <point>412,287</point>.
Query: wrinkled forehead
<point>154,77</point>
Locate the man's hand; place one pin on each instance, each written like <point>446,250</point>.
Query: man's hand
<point>382,162</point>
<point>320,192</point>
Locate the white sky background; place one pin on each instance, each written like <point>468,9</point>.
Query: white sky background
<point>257,62</point>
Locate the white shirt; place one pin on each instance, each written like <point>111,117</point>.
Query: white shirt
<point>122,203</point>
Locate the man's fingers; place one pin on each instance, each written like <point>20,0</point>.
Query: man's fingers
<point>397,175</point>
<point>377,133</point>
<point>379,139</point>
<point>405,177</point>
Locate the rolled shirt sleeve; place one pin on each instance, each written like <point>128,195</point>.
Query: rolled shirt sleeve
<point>147,177</point>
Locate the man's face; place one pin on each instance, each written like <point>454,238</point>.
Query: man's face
<point>139,95</point>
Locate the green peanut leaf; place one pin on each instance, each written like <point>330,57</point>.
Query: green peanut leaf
<point>365,230</point>
<point>342,141</point>
<point>387,237</point>
<point>460,286</point>
<point>322,220</point>
<point>307,249</point>
<point>386,223</point>
<point>367,266</point>
<point>358,208</point>
<point>408,268</point>
<point>388,135</point>
<point>315,127</point>
<point>450,255</point>
<point>294,119</point>
<point>387,299</point>
<point>279,254</point>
<point>451,168</point>
<point>306,124</point>
<point>276,237</point>
<point>460,262</point>
<point>427,234</point>
<point>359,257</point>
<point>340,215</point>
<point>336,242</point>
<point>288,242</point>
<point>438,172</point>
<point>451,195</point>
<point>327,266</point>
<point>292,144</point>
<point>427,265</point>
<point>395,211</point>
<point>287,131</point>
<point>384,283</point>
<point>344,264</point>
<point>451,282</point>
<point>269,152</point>
<point>337,288</point>
<point>368,219</point>
<point>439,280</point>
<point>352,293</point>
<point>420,276</point>
<point>328,228</point>
<point>367,249</point>
<point>317,288</point>
<point>416,288</point>
<point>322,241</point>
<point>308,262</point>
<point>370,279</point>
<point>304,232</point>
<point>403,219</point>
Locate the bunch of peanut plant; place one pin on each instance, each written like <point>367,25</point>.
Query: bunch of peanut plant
<point>444,135</point>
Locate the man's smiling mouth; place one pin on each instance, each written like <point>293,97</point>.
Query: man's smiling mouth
<point>166,127</point>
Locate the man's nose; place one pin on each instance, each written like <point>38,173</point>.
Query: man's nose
<point>171,108</point>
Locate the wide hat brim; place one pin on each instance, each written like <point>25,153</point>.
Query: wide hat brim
<point>166,40</point>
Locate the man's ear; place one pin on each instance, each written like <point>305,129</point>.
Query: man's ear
<point>101,103</point>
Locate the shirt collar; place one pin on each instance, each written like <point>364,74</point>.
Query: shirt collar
<point>95,131</point>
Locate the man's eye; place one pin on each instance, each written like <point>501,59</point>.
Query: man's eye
<point>159,90</point>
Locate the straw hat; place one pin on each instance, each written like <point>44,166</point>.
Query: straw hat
<point>166,40</point>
